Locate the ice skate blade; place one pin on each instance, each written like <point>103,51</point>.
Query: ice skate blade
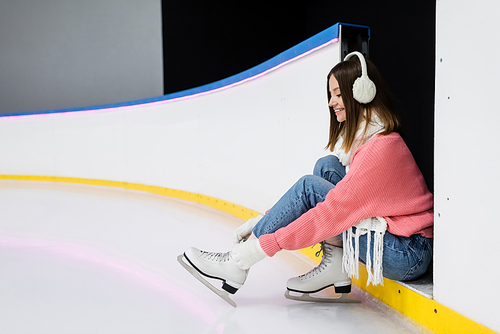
<point>305,297</point>
<point>221,293</point>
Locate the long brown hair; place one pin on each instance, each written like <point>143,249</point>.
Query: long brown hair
<point>346,73</point>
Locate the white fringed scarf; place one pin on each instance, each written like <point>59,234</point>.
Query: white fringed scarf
<point>350,259</point>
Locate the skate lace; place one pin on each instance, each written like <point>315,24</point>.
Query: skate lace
<point>215,256</point>
<point>327,254</point>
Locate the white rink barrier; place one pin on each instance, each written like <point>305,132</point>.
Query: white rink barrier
<point>245,139</point>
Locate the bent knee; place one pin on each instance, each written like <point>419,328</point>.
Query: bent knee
<point>326,164</point>
<point>320,165</point>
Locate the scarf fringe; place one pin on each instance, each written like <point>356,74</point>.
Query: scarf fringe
<point>350,258</point>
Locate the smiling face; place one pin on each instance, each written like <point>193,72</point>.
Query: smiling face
<point>336,99</point>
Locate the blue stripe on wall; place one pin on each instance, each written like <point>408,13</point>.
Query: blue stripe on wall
<point>308,45</point>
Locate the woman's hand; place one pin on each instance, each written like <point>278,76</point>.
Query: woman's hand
<point>244,232</point>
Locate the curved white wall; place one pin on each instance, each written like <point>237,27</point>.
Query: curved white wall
<point>245,144</point>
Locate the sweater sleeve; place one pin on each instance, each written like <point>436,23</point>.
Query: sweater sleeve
<point>382,181</point>
<point>327,219</point>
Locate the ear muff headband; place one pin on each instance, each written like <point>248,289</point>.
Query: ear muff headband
<point>364,89</point>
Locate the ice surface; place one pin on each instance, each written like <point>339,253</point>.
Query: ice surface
<point>88,259</point>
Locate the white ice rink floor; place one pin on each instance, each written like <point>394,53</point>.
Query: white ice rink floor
<point>89,259</point>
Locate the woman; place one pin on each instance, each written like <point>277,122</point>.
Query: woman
<point>368,200</point>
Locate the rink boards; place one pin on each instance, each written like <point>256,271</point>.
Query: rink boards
<point>244,140</point>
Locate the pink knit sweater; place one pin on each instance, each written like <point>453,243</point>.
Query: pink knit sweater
<point>383,181</point>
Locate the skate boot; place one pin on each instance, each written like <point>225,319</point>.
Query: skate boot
<point>328,273</point>
<point>214,265</point>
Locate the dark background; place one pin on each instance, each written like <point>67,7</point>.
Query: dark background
<point>218,39</point>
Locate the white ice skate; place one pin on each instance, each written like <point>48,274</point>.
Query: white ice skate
<point>214,265</point>
<point>328,273</point>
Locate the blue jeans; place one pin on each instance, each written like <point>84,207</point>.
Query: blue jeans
<point>405,258</point>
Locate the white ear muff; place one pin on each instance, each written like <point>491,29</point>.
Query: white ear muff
<point>364,89</point>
